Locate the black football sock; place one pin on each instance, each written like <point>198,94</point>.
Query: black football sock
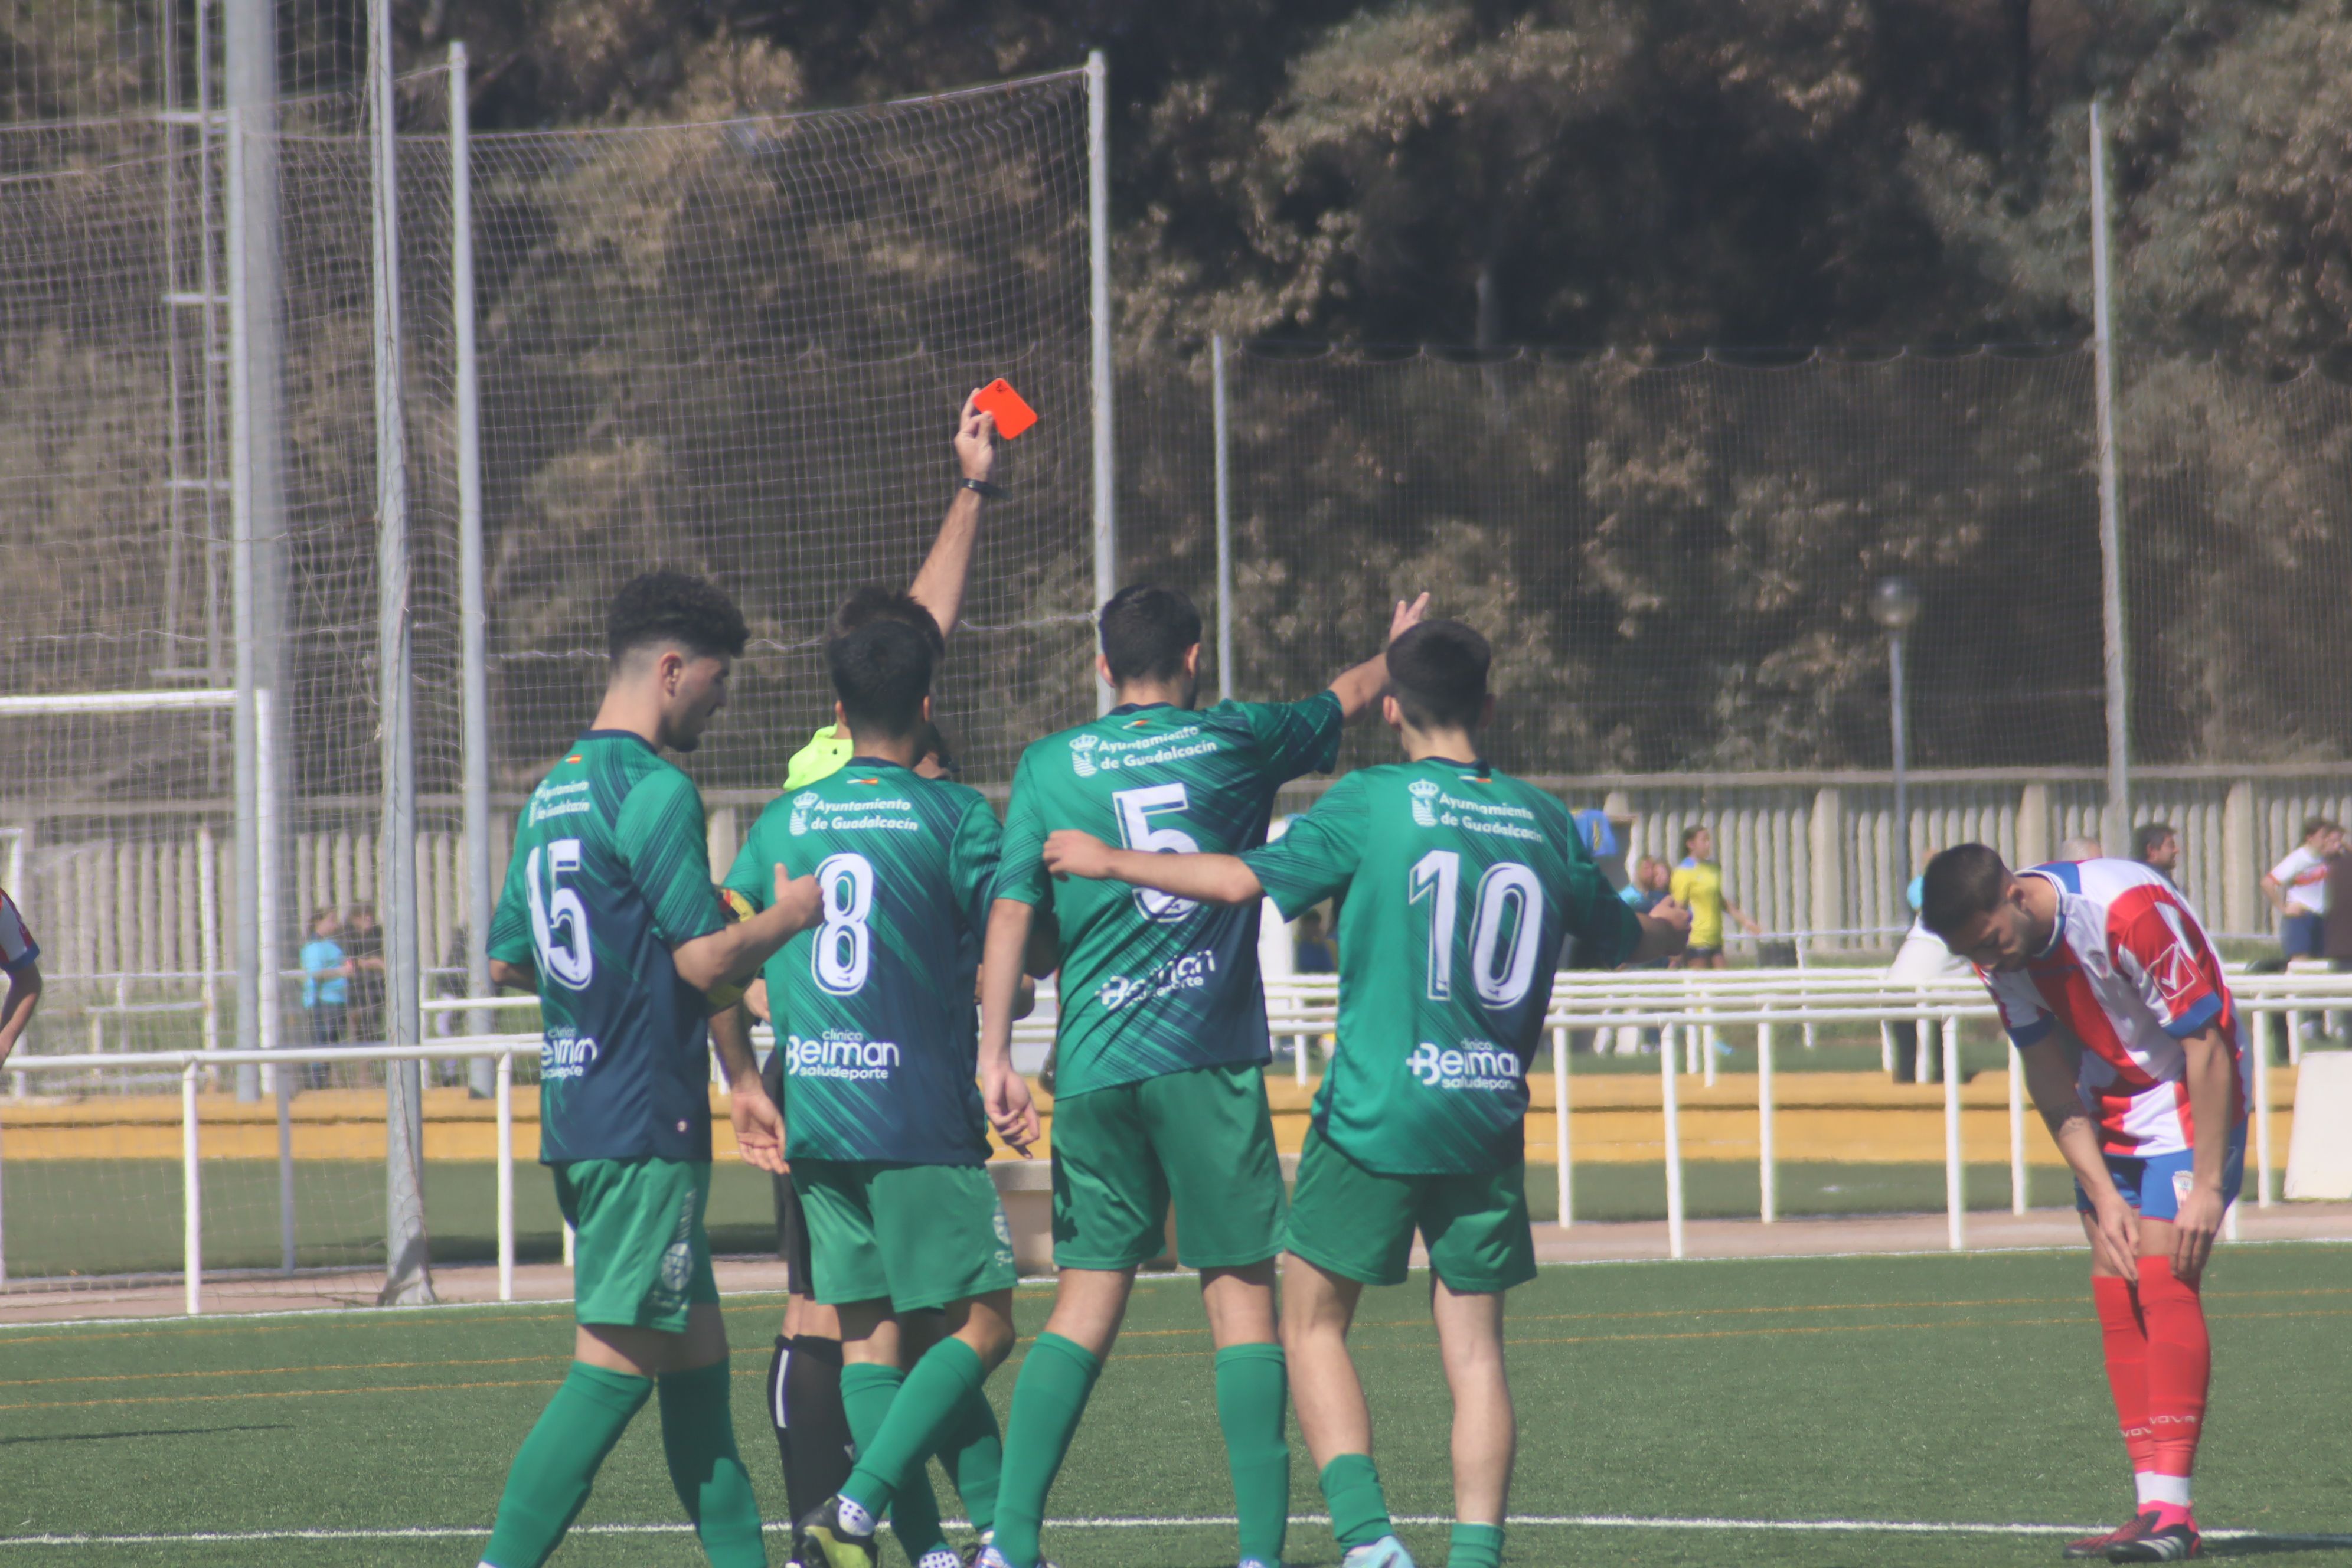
<point>811,1429</point>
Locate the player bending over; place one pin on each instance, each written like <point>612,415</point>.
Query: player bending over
<point>804,1406</point>
<point>889,1146</point>
<point>2102,962</point>
<point>1161,1043</point>
<point>610,914</point>
<point>1459,886</point>
<point>20,959</point>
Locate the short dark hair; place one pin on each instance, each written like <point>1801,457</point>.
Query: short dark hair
<point>1692,831</point>
<point>675,607</point>
<point>1146,631</point>
<point>1438,671</point>
<point>1961,884</point>
<point>867,606</point>
<point>2312,825</point>
<point>2147,835</point>
<point>882,672</point>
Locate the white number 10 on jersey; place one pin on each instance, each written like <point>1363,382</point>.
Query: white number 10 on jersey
<point>1508,888</point>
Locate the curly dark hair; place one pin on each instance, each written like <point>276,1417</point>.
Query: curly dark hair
<point>675,607</point>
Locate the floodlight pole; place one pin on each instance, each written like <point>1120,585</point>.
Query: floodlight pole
<point>1098,309</point>
<point>2111,568</point>
<point>408,1279</point>
<point>1221,419</point>
<point>473,609</point>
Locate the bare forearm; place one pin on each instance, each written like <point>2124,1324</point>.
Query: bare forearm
<point>1009,921</point>
<point>939,587</point>
<point>2051,1083</point>
<point>514,976</point>
<point>1204,878</point>
<point>732,954</point>
<point>730,1031</point>
<point>1659,940</point>
<point>1359,687</point>
<point>24,995</point>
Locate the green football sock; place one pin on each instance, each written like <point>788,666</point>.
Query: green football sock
<point>974,1452</point>
<point>1253,1400</point>
<point>698,1440</point>
<point>870,1393</point>
<point>1475,1546</point>
<point>557,1463</point>
<point>1351,1488</point>
<point>929,1400</point>
<point>1046,1403</point>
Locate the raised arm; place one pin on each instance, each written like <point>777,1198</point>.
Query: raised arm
<point>1204,878</point>
<point>939,587</point>
<point>2049,1078</point>
<point>1360,687</point>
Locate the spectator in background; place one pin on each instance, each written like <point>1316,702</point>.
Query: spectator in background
<point>326,989</point>
<point>1697,885</point>
<point>2297,889</point>
<point>2082,848</point>
<point>20,959</point>
<point>1315,954</point>
<point>363,945</point>
<point>1649,888</point>
<point>2158,847</point>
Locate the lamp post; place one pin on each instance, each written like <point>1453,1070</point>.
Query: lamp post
<point>1895,605</point>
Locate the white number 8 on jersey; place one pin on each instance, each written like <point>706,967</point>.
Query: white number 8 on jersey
<point>845,944</point>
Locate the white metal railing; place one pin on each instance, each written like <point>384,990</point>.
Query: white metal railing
<point>1687,1003</point>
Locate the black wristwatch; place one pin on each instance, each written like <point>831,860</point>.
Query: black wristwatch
<point>993,492</point>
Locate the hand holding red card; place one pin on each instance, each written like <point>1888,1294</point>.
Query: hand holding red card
<point>1012,413</point>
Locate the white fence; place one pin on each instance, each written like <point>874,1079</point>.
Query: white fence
<point>1690,1005</point>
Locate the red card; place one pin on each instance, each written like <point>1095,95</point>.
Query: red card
<point>1013,414</point>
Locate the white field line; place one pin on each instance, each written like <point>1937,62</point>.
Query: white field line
<point>1175,1522</point>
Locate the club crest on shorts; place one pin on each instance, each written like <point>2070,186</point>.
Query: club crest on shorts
<point>676,1267</point>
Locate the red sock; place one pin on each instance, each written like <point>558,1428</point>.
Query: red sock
<point>2180,1365</point>
<point>2124,1336</point>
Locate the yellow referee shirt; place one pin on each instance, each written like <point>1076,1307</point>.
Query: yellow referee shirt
<point>1697,886</point>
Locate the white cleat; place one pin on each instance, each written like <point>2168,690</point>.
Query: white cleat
<point>1388,1552</point>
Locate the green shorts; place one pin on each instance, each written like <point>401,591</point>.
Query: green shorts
<point>1360,1224</point>
<point>916,1236</point>
<point>1202,1136</point>
<point>640,1258</point>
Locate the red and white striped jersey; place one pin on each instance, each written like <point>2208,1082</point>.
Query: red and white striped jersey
<point>17,947</point>
<point>2130,973</point>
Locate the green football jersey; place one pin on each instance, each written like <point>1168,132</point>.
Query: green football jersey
<point>1152,985</point>
<point>1458,887</point>
<point>874,1009</point>
<point>610,871</point>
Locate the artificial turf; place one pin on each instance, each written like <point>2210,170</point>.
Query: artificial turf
<point>1893,1389</point>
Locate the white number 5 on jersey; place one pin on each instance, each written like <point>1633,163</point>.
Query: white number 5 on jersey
<point>559,920</point>
<point>1136,807</point>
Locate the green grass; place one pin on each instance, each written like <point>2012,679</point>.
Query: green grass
<point>1890,1389</point>
<point>339,1208</point>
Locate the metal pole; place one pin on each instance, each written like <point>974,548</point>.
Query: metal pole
<point>2111,566</point>
<point>1955,1175</point>
<point>1899,833</point>
<point>473,612</point>
<point>1768,1173</point>
<point>266,829</point>
<point>1099,302</point>
<point>1561,1151</point>
<point>1223,427</point>
<point>286,1168</point>
<point>208,937</point>
<point>2263,1108</point>
<point>2016,1134</point>
<point>506,1175</point>
<point>256,312</point>
<point>191,1199</point>
<point>408,1267</point>
<point>1674,1154</point>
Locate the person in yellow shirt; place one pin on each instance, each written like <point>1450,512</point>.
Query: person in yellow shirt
<point>1697,886</point>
